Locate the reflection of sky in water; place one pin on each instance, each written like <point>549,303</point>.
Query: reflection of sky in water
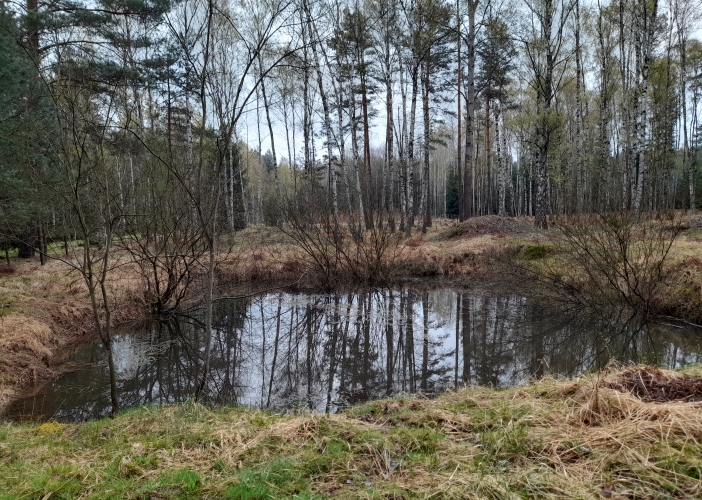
<point>130,352</point>
<point>334,350</point>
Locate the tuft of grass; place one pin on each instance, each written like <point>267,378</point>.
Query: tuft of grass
<point>50,428</point>
<point>278,479</point>
<point>536,251</point>
<point>185,480</point>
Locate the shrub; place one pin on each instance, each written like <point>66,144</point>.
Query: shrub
<point>614,264</point>
<point>334,246</point>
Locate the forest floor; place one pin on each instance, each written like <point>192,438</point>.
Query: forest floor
<point>45,310</point>
<point>632,432</point>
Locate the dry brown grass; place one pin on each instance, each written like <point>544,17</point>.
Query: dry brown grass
<point>44,312</point>
<point>552,439</point>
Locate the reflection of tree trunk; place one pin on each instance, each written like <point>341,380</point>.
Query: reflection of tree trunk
<point>275,350</point>
<point>458,326</point>
<point>293,314</point>
<point>389,334</point>
<point>356,341</point>
<point>497,345</point>
<point>366,341</point>
<point>673,362</point>
<point>409,344</point>
<point>208,307</point>
<point>425,343</point>
<point>228,379</point>
<point>401,342</point>
<point>309,356</point>
<point>342,375</point>
<point>332,353</point>
<point>537,345</point>
<point>113,377</point>
<point>466,323</point>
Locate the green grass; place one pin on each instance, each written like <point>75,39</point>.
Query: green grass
<point>536,251</point>
<point>527,442</point>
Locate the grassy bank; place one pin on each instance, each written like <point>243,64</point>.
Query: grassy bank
<point>45,310</point>
<point>587,438</point>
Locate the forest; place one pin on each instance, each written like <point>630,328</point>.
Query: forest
<point>123,113</point>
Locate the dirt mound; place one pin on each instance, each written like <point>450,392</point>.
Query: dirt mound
<point>653,385</point>
<point>487,224</point>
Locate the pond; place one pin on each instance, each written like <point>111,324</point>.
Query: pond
<point>325,352</point>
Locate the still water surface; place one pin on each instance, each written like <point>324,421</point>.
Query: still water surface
<point>328,351</point>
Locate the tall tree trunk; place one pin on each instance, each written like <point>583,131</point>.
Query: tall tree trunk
<point>545,95</point>
<point>467,195</point>
<point>354,150</point>
<point>270,126</point>
<point>331,169</point>
<point>403,140</point>
<point>410,146</point>
<point>426,181</point>
<point>389,203</point>
<point>459,82</point>
<point>604,139</point>
<point>686,156</point>
<point>306,103</point>
<point>579,89</point>
<point>692,163</point>
<point>501,163</point>
<point>261,166</point>
<point>645,37</point>
<point>488,158</point>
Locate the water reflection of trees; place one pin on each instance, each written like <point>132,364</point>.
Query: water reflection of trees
<point>328,351</point>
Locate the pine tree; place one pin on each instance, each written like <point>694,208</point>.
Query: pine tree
<point>23,148</point>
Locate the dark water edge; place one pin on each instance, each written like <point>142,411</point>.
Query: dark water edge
<point>324,352</point>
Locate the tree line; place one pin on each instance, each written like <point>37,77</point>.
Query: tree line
<point>414,109</point>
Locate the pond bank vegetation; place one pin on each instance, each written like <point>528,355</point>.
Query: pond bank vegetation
<point>627,432</point>
<point>46,310</point>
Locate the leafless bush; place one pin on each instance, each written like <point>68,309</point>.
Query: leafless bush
<point>168,263</point>
<point>335,247</point>
<point>167,246</point>
<point>614,264</point>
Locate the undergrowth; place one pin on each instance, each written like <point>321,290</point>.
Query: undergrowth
<point>552,439</point>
